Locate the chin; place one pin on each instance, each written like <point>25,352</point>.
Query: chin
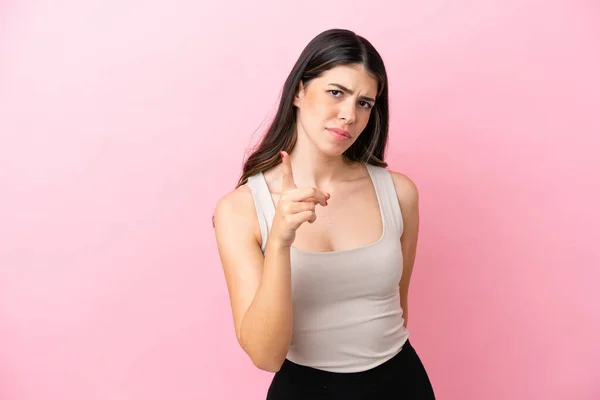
<point>332,150</point>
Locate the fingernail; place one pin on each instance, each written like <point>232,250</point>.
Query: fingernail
<point>281,152</point>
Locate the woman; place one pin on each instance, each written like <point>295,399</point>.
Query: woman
<point>318,240</point>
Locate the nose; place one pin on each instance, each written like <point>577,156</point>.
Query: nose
<point>347,111</point>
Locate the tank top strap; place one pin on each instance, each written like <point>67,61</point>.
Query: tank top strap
<point>263,202</point>
<point>388,198</point>
<point>384,188</point>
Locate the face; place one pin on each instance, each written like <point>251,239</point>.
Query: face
<point>334,108</point>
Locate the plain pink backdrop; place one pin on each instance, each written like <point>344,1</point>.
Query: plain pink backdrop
<point>123,122</point>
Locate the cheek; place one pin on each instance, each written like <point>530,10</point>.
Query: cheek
<point>363,119</point>
<point>320,110</point>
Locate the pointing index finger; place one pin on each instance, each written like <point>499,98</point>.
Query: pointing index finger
<point>287,178</point>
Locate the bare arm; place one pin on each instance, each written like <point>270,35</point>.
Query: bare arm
<point>259,287</point>
<point>408,197</point>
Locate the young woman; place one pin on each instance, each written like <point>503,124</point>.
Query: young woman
<point>318,240</point>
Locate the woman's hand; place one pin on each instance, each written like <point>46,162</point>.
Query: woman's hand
<point>295,207</point>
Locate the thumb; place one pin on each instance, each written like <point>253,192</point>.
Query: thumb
<point>287,178</point>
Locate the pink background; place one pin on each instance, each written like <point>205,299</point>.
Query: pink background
<point>123,122</point>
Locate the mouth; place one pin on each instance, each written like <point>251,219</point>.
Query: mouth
<point>339,133</point>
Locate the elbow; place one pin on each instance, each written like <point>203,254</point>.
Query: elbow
<point>269,364</point>
<point>265,358</point>
<point>261,359</point>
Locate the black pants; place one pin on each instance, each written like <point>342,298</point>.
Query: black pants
<point>401,378</point>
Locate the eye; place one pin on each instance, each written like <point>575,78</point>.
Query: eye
<point>335,93</point>
<point>365,104</point>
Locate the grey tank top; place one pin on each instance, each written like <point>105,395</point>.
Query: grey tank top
<point>346,304</point>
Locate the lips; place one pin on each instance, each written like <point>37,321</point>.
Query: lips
<point>340,132</point>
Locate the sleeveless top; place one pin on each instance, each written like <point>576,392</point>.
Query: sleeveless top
<point>346,304</point>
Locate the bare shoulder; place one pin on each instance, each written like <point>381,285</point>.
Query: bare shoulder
<point>237,209</point>
<point>406,189</point>
<point>408,198</point>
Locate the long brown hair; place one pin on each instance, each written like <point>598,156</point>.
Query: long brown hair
<point>329,49</point>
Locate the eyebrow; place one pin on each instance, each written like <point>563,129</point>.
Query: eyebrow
<point>351,91</point>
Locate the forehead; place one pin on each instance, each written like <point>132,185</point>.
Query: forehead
<point>354,77</point>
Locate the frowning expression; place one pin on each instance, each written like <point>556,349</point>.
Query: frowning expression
<point>334,108</point>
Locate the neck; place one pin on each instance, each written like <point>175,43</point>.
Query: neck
<point>312,167</point>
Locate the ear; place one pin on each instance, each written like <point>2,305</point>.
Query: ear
<point>299,94</point>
